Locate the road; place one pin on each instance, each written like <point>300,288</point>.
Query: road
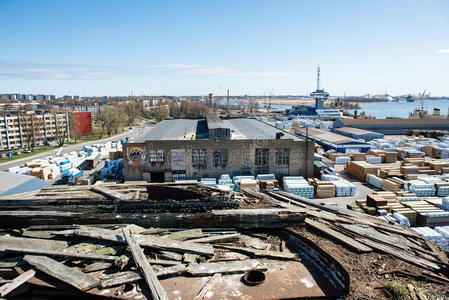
<point>132,134</point>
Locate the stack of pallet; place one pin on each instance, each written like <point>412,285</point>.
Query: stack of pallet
<point>358,157</point>
<point>250,184</point>
<point>361,169</point>
<point>114,155</point>
<point>378,153</point>
<point>323,189</point>
<point>391,157</point>
<point>438,165</point>
<point>390,185</point>
<point>269,184</point>
<point>333,156</point>
<point>376,200</point>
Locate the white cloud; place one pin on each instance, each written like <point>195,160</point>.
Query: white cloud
<point>171,66</point>
<point>443,51</point>
<point>22,70</point>
<point>197,69</point>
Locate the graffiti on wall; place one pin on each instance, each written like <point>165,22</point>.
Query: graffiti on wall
<point>136,156</point>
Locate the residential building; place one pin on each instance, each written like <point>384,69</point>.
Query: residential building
<point>17,130</point>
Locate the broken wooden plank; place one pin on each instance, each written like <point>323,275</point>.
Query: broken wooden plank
<point>163,262</point>
<point>61,254</point>
<point>217,238</point>
<point>186,234</point>
<point>204,269</point>
<point>226,256</point>
<point>110,193</point>
<point>420,262</point>
<point>170,255</point>
<point>16,282</point>
<point>147,241</point>
<point>69,275</point>
<point>346,240</point>
<point>97,266</point>
<point>263,253</point>
<point>440,254</point>
<point>190,258</point>
<point>208,286</point>
<point>130,276</point>
<point>157,291</point>
<point>18,242</point>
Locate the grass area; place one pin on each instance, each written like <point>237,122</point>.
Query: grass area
<point>36,151</point>
<point>397,291</point>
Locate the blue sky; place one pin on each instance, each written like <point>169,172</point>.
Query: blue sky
<point>107,47</point>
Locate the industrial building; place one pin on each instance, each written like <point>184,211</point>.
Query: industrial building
<point>357,133</point>
<point>332,141</point>
<point>394,126</point>
<point>193,149</point>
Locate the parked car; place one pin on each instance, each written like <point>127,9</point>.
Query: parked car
<point>27,151</point>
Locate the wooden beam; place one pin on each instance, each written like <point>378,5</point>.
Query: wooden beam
<point>110,193</point>
<point>186,234</point>
<point>204,269</point>
<point>236,218</point>
<point>61,254</point>
<point>208,286</point>
<point>42,244</point>
<point>440,254</point>
<point>217,238</point>
<point>55,269</point>
<point>157,291</point>
<point>346,240</point>
<point>16,282</point>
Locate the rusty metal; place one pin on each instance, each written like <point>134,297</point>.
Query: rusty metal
<point>253,277</point>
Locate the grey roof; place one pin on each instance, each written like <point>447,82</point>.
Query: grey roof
<point>214,121</point>
<point>241,129</point>
<point>177,129</point>
<point>251,129</point>
<point>12,183</point>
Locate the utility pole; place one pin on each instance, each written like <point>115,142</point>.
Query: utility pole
<point>307,147</point>
<point>227,103</point>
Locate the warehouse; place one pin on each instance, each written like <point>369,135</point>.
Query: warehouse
<point>193,149</point>
<point>357,133</point>
<point>332,141</point>
<point>394,126</point>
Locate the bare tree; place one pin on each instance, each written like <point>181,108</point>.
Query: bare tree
<point>27,126</point>
<point>59,134</point>
<point>111,119</point>
<point>162,112</point>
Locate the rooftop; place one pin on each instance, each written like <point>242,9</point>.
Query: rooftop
<point>328,136</point>
<point>393,121</point>
<point>11,183</point>
<point>356,131</point>
<point>241,129</point>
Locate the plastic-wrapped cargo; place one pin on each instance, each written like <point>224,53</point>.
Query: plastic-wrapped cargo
<point>342,160</point>
<point>343,188</point>
<point>373,159</point>
<point>422,189</point>
<point>401,219</point>
<point>297,185</point>
<point>265,177</point>
<point>210,182</point>
<point>445,204</point>
<point>374,180</point>
<point>432,235</point>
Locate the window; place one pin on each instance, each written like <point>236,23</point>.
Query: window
<point>282,157</point>
<point>199,158</point>
<point>157,156</point>
<point>261,156</point>
<point>160,156</point>
<point>153,156</point>
<point>220,158</point>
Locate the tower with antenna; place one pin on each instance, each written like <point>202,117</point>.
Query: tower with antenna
<point>319,95</point>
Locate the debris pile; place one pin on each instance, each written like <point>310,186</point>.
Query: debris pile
<point>131,262</point>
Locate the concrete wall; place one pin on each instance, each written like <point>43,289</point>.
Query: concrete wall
<point>239,152</point>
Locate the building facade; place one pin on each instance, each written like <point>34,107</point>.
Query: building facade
<point>17,131</point>
<point>182,149</point>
